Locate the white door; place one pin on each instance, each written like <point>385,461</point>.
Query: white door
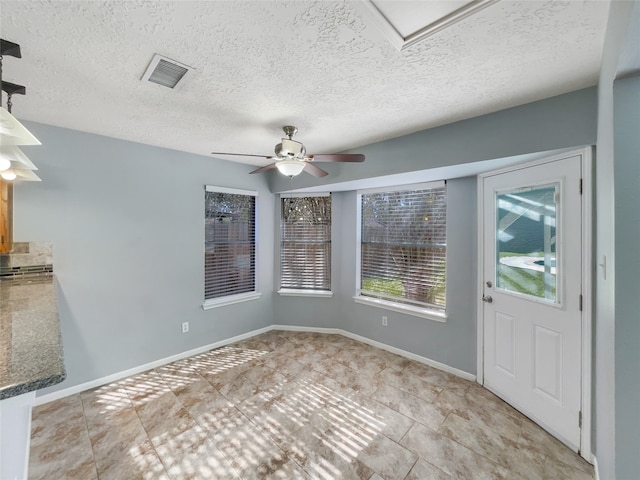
<point>532,292</point>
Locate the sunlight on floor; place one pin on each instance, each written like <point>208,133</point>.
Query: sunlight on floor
<point>246,412</point>
<point>145,387</point>
<point>112,398</point>
<point>225,358</point>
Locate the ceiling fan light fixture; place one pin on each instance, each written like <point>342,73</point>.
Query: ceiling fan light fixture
<point>5,164</point>
<point>290,167</point>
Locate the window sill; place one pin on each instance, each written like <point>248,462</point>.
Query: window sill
<point>230,300</point>
<point>292,292</point>
<point>401,308</point>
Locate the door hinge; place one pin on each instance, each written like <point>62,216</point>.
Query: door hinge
<point>580,187</point>
<point>580,302</point>
<point>580,419</point>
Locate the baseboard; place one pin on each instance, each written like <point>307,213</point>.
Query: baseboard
<point>594,461</point>
<point>382,346</point>
<point>412,356</point>
<point>50,397</point>
<point>295,328</point>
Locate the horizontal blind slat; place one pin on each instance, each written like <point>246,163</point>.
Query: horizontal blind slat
<point>403,249</point>
<point>305,248</point>
<point>230,243</point>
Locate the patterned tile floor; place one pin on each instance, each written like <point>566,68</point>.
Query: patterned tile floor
<point>286,405</point>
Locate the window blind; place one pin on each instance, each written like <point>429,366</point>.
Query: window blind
<point>305,250</point>
<point>230,242</point>
<point>403,246</point>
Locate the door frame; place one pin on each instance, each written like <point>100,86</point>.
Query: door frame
<point>586,158</point>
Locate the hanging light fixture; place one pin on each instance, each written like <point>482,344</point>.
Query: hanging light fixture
<point>12,132</point>
<point>14,164</point>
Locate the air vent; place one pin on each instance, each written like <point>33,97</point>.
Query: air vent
<point>164,71</point>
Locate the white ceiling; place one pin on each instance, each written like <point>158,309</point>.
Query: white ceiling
<point>263,64</point>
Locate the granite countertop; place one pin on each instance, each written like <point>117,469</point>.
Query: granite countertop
<point>30,341</point>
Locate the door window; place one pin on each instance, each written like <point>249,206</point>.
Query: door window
<point>526,237</point>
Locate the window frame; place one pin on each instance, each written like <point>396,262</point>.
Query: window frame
<point>300,292</point>
<point>237,297</point>
<point>438,315</point>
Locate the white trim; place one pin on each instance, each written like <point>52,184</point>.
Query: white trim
<point>587,295</point>
<point>587,352</point>
<point>422,312</point>
<point>293,292</point>
<point>358,227</point>
<point>305,195</point>
<point>383,346</point>
<point>594,461</point>
<point>578,151</point>
<point>298,328</point>
<point>234,191</point>
<point>480,280</point>
<point>50,397</point>
<point>401,188</point>
<point>230,300</point>
<point>371,13</point>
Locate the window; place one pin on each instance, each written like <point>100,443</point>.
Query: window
<point>305,249</point>
<point>403,249</point>
<point>229,246</point>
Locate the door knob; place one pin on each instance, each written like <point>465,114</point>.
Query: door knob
<point>487,298</point>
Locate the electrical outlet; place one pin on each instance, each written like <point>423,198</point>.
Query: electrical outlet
<point>384,321</point>
<point>185,327</point>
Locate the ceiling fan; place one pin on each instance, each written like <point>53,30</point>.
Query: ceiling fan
<point>291,157</point>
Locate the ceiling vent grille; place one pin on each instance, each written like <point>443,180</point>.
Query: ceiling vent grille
<point>164,71</point>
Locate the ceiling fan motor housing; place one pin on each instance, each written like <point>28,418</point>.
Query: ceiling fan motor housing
<point>290,148</point>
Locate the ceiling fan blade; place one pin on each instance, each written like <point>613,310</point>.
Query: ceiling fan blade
<point>338,157</point>
<point>265,168</point>
<point>315,171</point>
<point>241,154</point>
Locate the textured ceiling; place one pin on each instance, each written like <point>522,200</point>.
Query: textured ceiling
<point>263,64</point>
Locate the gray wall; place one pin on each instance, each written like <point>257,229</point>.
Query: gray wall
<point>452,343</point>
<point>604,387</point>
<point>127,225</point>
<point>627,293</point>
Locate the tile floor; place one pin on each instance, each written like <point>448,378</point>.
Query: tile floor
<point>287,405</point>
